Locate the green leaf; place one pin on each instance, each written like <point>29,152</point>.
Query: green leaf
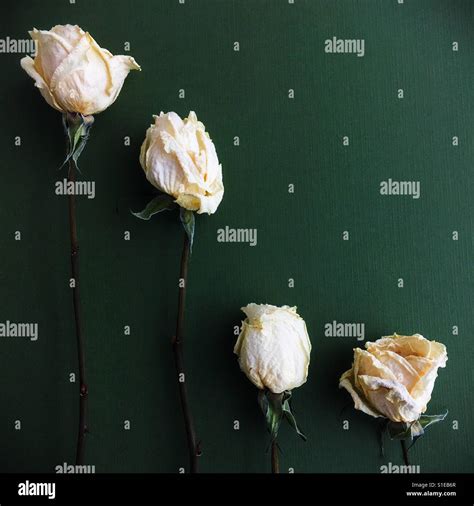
<point>162,202</point>
<point>188,221</point>
<point>77,129</point>
<point>276,407</point>
<point>271,406</point>
<point>414,430</point>
<point>426,420</point>
<point>80,140</point>
<point>399,430</point>
<point>289,415</point>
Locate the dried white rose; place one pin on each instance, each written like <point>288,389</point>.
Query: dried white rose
<point>73,73</point>
<point>180,159</point>
<point>394,377</point>
<point>273,347</point>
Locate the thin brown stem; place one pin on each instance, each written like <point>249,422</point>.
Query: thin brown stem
<point>83,391</point>
<point>193,446</point>
<point>405,452</point>
<point>275,460</point>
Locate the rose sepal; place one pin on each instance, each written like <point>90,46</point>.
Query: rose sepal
<point>77,129</point>
<point>414,430</point>
<point>189,223</point>
<point>162,202</point>
<point>275,408</point>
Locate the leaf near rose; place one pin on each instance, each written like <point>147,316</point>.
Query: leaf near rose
<point>414,430</point>
<point>162,202</point>
<point>275,408</point>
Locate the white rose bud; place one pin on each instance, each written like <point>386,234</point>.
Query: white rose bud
<point>273,347</point>
<point>395,376</point>
<point>73,73</point>
<point>180,159</point>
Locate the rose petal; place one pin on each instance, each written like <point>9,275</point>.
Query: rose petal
<point>274,349</point>
<point>347,381</point>
<point>367,364</point>
<point>400,367</point>
<point>390,398</point>
<point>28,65</point>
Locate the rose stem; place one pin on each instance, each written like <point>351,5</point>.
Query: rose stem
<point>405,452</point>
<point>275,462</point>
<point>177,342</point>
<point>77,317</point>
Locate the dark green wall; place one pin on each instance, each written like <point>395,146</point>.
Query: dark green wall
<point>282,141</point>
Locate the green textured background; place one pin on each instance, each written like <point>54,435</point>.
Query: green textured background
<point>282,141</point>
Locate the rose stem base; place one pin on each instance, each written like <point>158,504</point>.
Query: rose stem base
<point>275,459</point>
<point>177,343</point>
<point>83,391</point>
<point>405,452</point>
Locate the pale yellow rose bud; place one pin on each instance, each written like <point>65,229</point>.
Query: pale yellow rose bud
<point>179,158</point>
<point>394,377</point>
<point>73,73</point>
<point>274,347</point>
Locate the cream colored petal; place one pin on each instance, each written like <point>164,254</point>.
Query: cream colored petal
<point>347,382</point>
<point>70,33</point>
<point>438,353</point>
<point>211,169</point>
<point>189,202</point>
<point>401,368</point>
<point>240,339</point>
<point>427,369</point>
<point>404,345</point>
<point>187,137</point>
<point>191,171</point>
<point>52,49</point>
<point>367,364</point>
<point>255,312</point>
<point>202,201</point>
<point>423,389</point>
<point>286,367</point>
<point>80,78</point>
<point>90,78</point>
<point>120,67</point>
<point>169,122</point>
<point>390,398</point>
<point>202,150</point>
<point>144,149</point>
<point>421,365</point>
<point>163,169</point>
<point>196,199</point>
<point>210,203</point>
<point>249,351</point>
<point>276,354</point>
<point>28,65</point>
<point>192,118</point>
<point>175,163</point>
